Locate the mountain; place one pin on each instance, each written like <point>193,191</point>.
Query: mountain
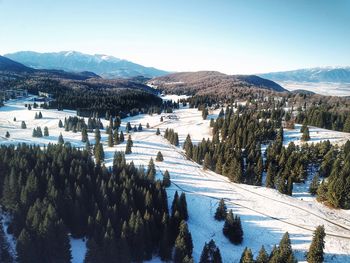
<point>212,82</point>
<point>10,65</point>
<point>103,65</point>
<point>327,74</point>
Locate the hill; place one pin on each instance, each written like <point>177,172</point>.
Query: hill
<point>212,82</point>
<point>106,66</point>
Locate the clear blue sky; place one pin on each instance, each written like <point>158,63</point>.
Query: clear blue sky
<point>233,36</point>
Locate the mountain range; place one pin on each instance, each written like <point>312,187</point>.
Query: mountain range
<point>72,61</point>
<point>325,74</point>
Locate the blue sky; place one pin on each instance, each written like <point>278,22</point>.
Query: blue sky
<point>233,36</point>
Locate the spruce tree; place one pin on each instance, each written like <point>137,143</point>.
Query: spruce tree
<point>60,139</point>
<point>46,131</point>
<point>314,185</point>
<point>159,157</point>
<point>151,171</point>
<point>306,135</point>
<point>183,244</point>
<point>60,124</point>
<point>158,131</point>
<point>210,253</point>
<point>221,211</point>
<point>129,144</point>
<point>166,179</point>
<point>110,139</point>
<point>23,125</point>
<point>247,256</point>
<point>7,135</point>
<point>315,254</point>
<point>233,228</point>
<point>263,257</point>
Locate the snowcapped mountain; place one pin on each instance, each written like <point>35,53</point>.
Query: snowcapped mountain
<point>321,74</point>
<point>103,65</point>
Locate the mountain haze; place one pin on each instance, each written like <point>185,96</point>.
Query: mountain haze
<point>103,65</point>
<point>327,74</point>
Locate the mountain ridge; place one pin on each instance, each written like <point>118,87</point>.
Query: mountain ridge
<point>74,61</point>
<point>317,74</point>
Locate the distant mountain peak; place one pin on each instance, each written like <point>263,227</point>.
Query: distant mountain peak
<point>74,61</point>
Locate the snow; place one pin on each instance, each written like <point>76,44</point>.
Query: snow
<point>266,214</point>
<point>323,88</point>
<point>78,247</point>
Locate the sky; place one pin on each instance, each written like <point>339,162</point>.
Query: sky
<point>231,36</point>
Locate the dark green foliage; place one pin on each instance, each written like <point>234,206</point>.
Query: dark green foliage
<point>23,125</point>
<point>247,256</point>
<point>262,257</point>
<point>58,189</point>
<point>171,136</point>
<point>183,244</point>
<point>306,135</point>
<point>60,139</point>
<point>314,185</point>
<point>151,171</point>
<point>37,132</point>
<point>210,253</point>
<point>283,253</point>
<point>7,135</point>
<point>46,131</point>
<point>166,179</point>
<point>233,228</point>
<point>205,113</point>
<point>159,157</point>
<point>221,211</point>
<point>315,254</point>
<point>158,131</point>
<point>60,124</point>
<point>99,153</point>
<point>84,135</point>
<point>129,144</point>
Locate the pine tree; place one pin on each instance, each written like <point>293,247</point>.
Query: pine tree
<point>205,113</point>
<point>140,127</point>
<point>129,144</point>
<point>110,139</point>
<point>151,171</point>
<point>159,157</point>
<point>97,136</point>
<point>306,135</point>
<point>270,176</point>
<point>210,253</point>
<point>166,179</point>
<point>247,256</point>
<point>233,228</point>
<point>23,125</point>
<point>7,135</point>
<point>263,257</point>
<point>121,137</point>
<point>314,185</point>
<point>46,131</point>
<point>60,139</point>
<point>60,124</point>
<point>183,244</point>
<point>99,153</point>
<point>165,245</point>
<point>315,254</point>
<point>84,135</point>
<point>221,211</point>
<point>207,164</point>
<point>158,131</point>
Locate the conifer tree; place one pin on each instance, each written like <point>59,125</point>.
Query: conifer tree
<point>99,153</point>
<point>84,135</point>
<point>183,244</point>
<point>60,139</point>
<point>60,124</point>
<point>23,125</point>
<point>46,131</point>
<point>110,139</point>
<point>166,179</point>
<point>129,144</point>
<point>158,131</point>
<point>233,229</point>
<point>210,253</point>
<point>121,136</point>
<point>151,171</point>
<point>314,185</point>
<point>207,164</point>
<point>315,254</point>
<point>306,135</point>
<point>263,257</point>
<point>97,136</point>
<point>247,256</point>
<point>159,157</point>
<point>221,211</point>
<point>7,135</point>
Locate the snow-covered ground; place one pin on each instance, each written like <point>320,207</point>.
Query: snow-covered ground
<point>265,213</point>
<point>323,88</point>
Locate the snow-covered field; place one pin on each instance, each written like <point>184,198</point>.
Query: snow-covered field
<point>265,213</point>
<point>323,88</point>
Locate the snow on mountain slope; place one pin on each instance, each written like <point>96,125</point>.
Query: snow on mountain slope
<point>265,213</point>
